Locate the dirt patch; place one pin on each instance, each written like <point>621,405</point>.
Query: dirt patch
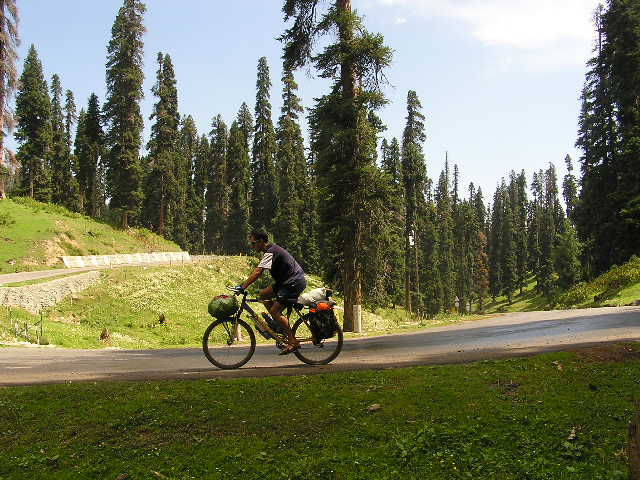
<point>614,353</point>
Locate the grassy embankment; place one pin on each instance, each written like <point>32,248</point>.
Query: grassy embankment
<point>129,301</point>
<point>553,416</point>
<point>34,235</point>
<point>617,287</point>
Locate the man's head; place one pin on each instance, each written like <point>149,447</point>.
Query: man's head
<point>259,240</point>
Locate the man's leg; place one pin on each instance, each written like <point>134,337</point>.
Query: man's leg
<point>276,313</point>
<point>266,296</point>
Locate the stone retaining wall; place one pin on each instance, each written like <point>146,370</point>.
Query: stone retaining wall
<point>34,298</point>
<point>125,259</point>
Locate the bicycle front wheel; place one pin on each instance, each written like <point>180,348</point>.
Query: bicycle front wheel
<point>228,344</point>
<point>318,353</point>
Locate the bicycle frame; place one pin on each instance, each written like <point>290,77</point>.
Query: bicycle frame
<point>280,338</point>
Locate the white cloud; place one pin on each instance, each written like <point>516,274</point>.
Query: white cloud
<point>400,20</point>
<point>540,33</point>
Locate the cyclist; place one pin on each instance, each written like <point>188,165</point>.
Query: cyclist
<point>289,281</point>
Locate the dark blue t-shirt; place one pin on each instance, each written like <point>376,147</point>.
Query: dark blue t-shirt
<point>283,267</point>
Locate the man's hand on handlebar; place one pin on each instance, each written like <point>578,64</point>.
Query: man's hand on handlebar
<point>238,290</point>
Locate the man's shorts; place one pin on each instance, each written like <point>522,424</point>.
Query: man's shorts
<point>288,293</point>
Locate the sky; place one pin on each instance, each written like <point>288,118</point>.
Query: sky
<point>499,80</point>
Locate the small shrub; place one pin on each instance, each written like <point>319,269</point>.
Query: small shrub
<point>578,294</point>
<point>6,219</point>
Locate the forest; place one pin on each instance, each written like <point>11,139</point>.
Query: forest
<point>350,204</point>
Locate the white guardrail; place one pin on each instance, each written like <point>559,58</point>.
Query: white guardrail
<point>125,259</point>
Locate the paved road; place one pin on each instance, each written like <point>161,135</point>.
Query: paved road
<point>498,337</point>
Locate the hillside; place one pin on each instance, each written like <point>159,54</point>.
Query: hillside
<point>34,235</point>
<point>130,301</point>
<point>617,287</point>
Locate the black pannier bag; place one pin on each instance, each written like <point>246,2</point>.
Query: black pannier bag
<point>323,323</point>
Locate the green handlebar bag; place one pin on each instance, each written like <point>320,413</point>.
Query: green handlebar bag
<point>223,306</point>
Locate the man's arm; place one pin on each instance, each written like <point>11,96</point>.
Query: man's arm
<point>253,277</point>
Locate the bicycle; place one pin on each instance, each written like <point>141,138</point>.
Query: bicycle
<point>230,342</point>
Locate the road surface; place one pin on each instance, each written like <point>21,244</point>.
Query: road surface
<point>503,336</point>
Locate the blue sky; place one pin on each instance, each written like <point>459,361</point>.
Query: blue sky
<point>499,80</point>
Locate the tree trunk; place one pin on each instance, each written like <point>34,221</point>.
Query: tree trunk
<point>125,219</point>
<point>407,275</point>
<point>352,273</point>
<point>417,270</point>
<point>634,447</point>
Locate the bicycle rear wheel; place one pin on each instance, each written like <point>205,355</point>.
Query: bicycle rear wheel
<point>228,345</point>
<point>319,353</point>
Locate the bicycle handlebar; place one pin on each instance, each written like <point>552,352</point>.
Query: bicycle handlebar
<point>237,290</point>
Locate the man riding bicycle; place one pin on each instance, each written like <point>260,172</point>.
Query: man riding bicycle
<point>289,281</point>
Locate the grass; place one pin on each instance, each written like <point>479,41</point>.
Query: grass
<point>34,235</point>
<point>553,416</point>
<point>129,301</point>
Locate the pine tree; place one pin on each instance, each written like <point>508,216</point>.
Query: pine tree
<point>89,153</point>
<point>534,222</point>
<point>552,222</point>
<point>124,78</point>
<point>193,209</point>
<point>33,133</point>
<point>245,123</point>
<point>508,267</point>
<point>291,171</point>
<point>197,200</point>
<point>414,179</point>
<point>163,186</point>
<point>70,118</point>
<point>354,62</point>
<point>64,187</point>
<point>496,244</point>
<point>237,224</point>
<point>432,297</point>
<point>520,230</point>
<point>9,41</point>
<point>481,270</point>
<point>622,26</point>
<point>395,265</point>
<point>567,256</point>
<point>264,201</point>
<point>218,188</point>
<point>444,223</point>
<point>570,189</point>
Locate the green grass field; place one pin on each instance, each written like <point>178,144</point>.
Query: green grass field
<point>129,302</point>
<point>34,235</point>
<point>553,416</point>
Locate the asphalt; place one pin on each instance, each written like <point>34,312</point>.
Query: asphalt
<point>503,336</point>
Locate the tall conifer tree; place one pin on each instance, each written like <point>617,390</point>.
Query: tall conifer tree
<point>570,189</point>
<point>64,186</point>
<point>343,116</point>
<point>264,199</point>
<point>9,41</point>
<point>197,226</point>
<point>33,133</point>
<point>238,180</point>
<point>122,110</point>
<point>218,188</point>
<point>165,183</point>
<point>414,180</point>
<point>444,224</point>
<point>89,152</point>
<point>291,171</point>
